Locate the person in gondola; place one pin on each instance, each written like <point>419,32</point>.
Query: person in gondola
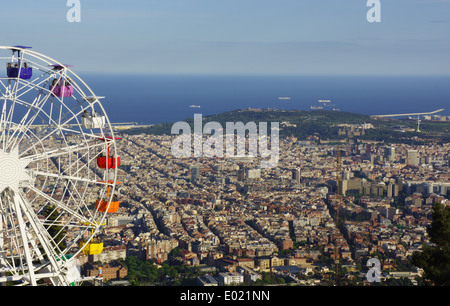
<point>54,82</point>
<point>85,114</point>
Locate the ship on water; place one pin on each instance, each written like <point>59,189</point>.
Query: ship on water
<point>324,104</point>
<point>194,106</point>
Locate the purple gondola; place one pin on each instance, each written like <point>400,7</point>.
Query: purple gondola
<point>61,90</point>
<point>12,70</point>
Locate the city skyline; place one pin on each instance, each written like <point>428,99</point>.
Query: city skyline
<point>238,37</point>
<point>87,198</point>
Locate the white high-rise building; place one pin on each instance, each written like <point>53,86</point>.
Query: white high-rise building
<point>412,158</point>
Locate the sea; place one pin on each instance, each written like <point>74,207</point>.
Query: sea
<point>152,99</point>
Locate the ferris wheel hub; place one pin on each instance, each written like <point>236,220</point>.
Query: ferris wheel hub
<point>13,172</point>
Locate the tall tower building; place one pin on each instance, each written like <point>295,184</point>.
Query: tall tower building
<point>412,158</point>
<point>195,174</point>
<point>343,186</point>
<point>296,175</point>
<point>389,153</point>
<point>241,174</point>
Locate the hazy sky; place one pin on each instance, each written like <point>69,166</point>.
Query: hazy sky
<point>251,37</point>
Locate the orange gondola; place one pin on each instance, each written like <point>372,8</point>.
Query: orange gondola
<point>102,206</point>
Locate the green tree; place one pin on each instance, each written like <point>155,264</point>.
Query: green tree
<point>435,261</point>
<point>56,232</point>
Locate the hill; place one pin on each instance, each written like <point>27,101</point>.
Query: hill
<point>323,125</point>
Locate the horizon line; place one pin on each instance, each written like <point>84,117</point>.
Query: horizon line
<point>255,74</point>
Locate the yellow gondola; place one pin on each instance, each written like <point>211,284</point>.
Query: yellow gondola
<point>94,247</point>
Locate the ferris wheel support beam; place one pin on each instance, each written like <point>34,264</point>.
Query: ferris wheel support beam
<point>38,231</point>
<point>24,238</point>
<point>14,278</point>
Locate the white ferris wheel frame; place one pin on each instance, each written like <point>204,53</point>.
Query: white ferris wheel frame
<point>28,253</point>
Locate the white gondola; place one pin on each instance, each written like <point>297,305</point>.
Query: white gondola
<point>93,122</point>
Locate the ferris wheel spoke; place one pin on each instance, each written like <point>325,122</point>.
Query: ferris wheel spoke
<point>3,87</point>
<point>35,269</point>
<point>75,165</point>
<point>71,178</point>
<point>29,86</point>
<point>20,131</point>
<point>60,130</point>
<point>37,107</point>
<point>73,114</point>
<point>73,192</point>
<point>82,219</point>
<point>22,127</point>
<point>3,126</point>
<point>37,103</point>
<point>32,146</point>
<point>39,230</point>
<point>11,234</point>
<point>7,113</point>
<point>62,151</point>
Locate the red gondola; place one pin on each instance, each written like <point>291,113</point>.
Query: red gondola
<point>108,162</point>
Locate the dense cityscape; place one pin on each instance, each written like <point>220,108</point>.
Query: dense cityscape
<point>222,151</point>
<point>314,219</point>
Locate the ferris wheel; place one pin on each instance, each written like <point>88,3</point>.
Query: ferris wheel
<point>58,169</point>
